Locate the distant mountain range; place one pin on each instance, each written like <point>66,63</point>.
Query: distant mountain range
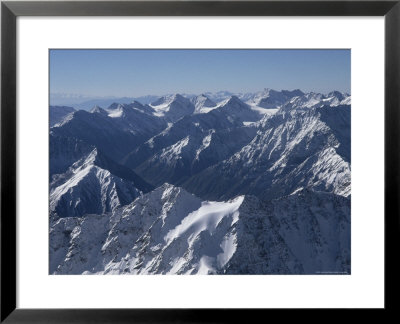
<point>219,183</point>
<point>80,102</point>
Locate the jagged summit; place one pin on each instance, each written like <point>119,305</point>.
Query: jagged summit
<point>233,100</point>
<point>173,107</point>
<point>87,188</point>
<point>168,99</point>
<point>99,110</point>
<point>202,104</point>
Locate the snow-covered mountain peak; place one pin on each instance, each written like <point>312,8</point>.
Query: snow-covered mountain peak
<point>336,98</point>
<point>339,95</point>
<point>202,104</point>
<point>168,99</point>
<point>233,100</point>
<point>88,160</point>
<point>268,100</point>
<point>235,109</point>
<point>168,203</point>
<point>167,192</point>
<point>233,103</point>
<point>315,100</point>
<point>99,110</point>
<point>172,107</point>
<point>89,186</point>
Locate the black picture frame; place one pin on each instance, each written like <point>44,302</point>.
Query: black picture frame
<point>10,10</point>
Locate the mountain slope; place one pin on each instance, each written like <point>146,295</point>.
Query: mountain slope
<point>93,185</point>
<point>136,119</point>
<point>306,232</point>
<point>65,151</point>
<point>115,136</point>
<point>169,231</point>
<point>202,104</point>
<point>316,100</point>
<point>291,151</point>
<point>172,107</point>
<point>273,99</point>
<point>176,163</point>
<point>58,113</point>
<point>231,114</point>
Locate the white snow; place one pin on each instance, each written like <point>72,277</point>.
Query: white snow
<point>248,123</point>
<point>206,143</point>
<point>176,149</point>
<point>264,111</point>
<point>102,190</point>
<point>228,245</point>
<point>206,217</point>
<point>116,113</point>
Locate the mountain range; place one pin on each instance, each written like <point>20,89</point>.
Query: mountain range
<point>169,231</point>
<point>254,183</point>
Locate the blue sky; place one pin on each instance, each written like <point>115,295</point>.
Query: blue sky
<point>135,73</point>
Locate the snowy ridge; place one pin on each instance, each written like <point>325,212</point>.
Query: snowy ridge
<point>229,115</point>
<point>116,136</point>
<point>289,150</point>
<point>172,107</point>
<point>270,98</point>
<point>59,113</point>
<point>316,100</point>
<point>88,189</point>
<point>65,151</point>
<point>204,147</point>
<point>169,231</point>
<point>202,104</point>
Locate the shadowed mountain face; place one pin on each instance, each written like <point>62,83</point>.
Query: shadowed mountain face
<point>100,131</point>
<point>116,132</point>
<point>178,162</point>
<point>58,113</point>
<point>256,183</point>
<point>65,151</point>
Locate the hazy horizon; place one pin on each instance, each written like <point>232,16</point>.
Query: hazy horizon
<point>95,74</point>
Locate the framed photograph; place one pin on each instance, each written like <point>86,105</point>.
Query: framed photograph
<point>169,161</point>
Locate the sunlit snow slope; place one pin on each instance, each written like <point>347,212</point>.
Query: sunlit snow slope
<point>169,231</point>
